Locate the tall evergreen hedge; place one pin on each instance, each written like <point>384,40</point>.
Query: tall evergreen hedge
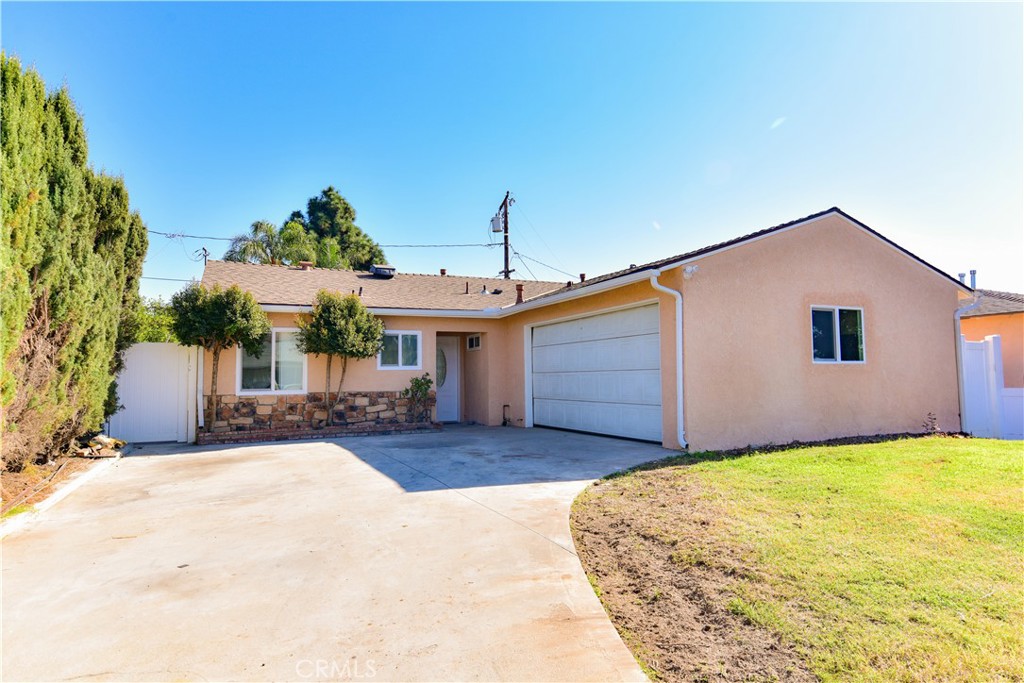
<point>71,256</point>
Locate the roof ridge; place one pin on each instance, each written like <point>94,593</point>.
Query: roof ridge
<point>398,273</point>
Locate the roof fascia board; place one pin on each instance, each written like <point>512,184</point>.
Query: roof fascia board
<point>614,283</point>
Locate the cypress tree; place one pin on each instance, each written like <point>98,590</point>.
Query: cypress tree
<point>71,253</point>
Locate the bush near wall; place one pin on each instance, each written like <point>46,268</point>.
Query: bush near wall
<point>71,253</point>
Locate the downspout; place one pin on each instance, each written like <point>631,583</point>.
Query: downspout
<point>680,427</point>
<point>960,353</point>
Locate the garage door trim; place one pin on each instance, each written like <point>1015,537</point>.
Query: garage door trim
<point>528,346</point>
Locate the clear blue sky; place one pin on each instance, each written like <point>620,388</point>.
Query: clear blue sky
<point>626,132</point>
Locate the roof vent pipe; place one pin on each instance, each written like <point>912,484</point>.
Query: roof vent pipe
<point>467,287</point>
<point>583,277</point>
<point>974,279</point>
<point>444,271</point>
<point>519,294</point>
<point>963,278</point>
<point>305,265</point>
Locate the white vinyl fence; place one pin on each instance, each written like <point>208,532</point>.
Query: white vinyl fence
<point>157,392</point>
<point>990,410</point>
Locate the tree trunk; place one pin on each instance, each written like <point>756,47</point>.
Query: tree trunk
<point>327,394</point>
<point>344,367</point>
<point>213,386</point>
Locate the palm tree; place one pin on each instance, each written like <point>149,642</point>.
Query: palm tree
<point>262,244</point>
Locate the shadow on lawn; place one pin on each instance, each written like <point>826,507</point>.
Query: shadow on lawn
<point>684,459</point>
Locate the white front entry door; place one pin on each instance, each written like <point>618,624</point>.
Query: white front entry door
<point>447,380</point>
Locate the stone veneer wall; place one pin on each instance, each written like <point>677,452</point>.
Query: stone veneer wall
<point>268,417</point>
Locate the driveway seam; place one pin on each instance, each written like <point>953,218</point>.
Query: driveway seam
<point>474,500</point>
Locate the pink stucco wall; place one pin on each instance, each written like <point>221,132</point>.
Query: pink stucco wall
<point>749,375</point>
<point>1010,328</point>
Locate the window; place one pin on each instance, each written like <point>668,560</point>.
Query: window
<point>473,342</point>
<point>280,367</point>
<point>401,351</point>
<point>837,335</point>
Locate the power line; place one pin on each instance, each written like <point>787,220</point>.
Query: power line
<point>175,235</point>
<point>166,279</point>
<point>541,263</point>
<point>525,265</point>
<point>434,246</point>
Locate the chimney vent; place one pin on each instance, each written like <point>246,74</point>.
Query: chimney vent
<point>568,283</point>
<point>519,294</point>
<point>974,279</point>
<point>963,278</point>
<point>444,271</point>
<point>583,277</point>
<point>305,265</point>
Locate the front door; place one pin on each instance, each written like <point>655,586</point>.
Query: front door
<point>447,379</point>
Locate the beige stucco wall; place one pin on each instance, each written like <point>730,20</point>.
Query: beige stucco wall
<point>513,363</point>
<point>1010,328</point>
<point>749,377</point>
<point>747,341</point>
<point>480,400</point>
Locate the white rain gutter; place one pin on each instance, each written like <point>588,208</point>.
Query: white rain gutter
<point>680,426</point>
<point>960,352</point>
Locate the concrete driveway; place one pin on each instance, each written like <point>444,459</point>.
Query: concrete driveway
<point>434,557</point>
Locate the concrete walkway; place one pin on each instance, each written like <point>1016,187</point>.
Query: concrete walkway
<point>425,557</point>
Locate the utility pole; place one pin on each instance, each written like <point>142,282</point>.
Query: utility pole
<point>503,212</point>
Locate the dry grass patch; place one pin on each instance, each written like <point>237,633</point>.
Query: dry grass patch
<point>900,560</point>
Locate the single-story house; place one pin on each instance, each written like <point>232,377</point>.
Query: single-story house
<point>1000,313</point>
<point>813,329</point>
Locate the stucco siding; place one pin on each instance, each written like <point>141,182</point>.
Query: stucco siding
<point>514,362</point>
<point>749,374</point>
<point>1010,328</point>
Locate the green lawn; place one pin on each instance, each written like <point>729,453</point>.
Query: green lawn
<point>901,560</point>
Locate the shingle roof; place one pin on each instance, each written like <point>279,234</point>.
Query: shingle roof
<point>995,303</point>
<point>653,265</point>
<point>286,285</point>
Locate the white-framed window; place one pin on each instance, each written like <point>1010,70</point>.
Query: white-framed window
<point>837,334</point>
<point>401,351</point>
<point>473,342</point>
<point>279,369</point>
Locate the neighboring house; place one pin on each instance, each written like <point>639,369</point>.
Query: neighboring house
<point>1000,313</point>
<point>814,329</point>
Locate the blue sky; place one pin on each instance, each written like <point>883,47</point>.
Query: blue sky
<point>626,132</point>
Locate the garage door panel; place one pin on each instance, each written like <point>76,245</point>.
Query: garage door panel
<point>630,322</point>
<point>636,386</point>
<point>633,421</point>
<point>627,353</point>
<point>600,374</point>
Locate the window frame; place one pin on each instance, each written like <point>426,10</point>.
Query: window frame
<point>239,391</point>
<point>479,342</point>
<point>836,340</point>
<point>419,350</point>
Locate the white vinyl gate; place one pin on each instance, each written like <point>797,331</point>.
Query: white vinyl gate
<point>990,410</point>
<point>157,392</point>
<point>600,373</point>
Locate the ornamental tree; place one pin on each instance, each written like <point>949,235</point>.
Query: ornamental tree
<point>340,326</point>
<point>217,319</point>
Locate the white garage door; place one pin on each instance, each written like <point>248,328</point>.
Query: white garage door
<point>600,374</point>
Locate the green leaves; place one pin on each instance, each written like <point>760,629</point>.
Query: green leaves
<point>218,318</point>
<point>340,326</point>
<point>71,253</point>
<point>328,237</point>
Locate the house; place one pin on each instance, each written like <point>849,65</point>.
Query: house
<point>817,328</point>
<point>1000,313</point>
